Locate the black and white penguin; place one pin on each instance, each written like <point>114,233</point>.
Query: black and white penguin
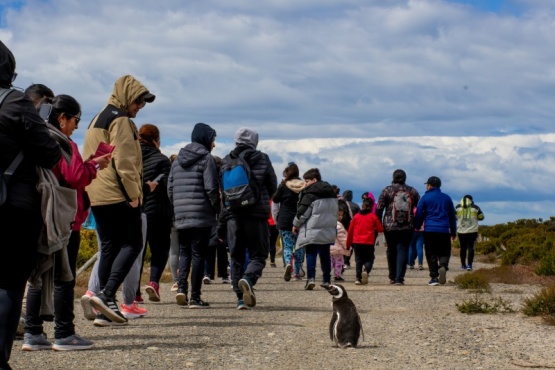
<point>345,325</point>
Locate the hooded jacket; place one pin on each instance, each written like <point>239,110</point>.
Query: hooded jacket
<point>468,215</point>
<point>287,195</point>
<point>193,185</point>
<point>21,128</point>
<point>262,170</point>
<point>348,198</point>
<point>316,216</point>
<point>113,126</point>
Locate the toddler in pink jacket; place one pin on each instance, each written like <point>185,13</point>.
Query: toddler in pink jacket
<point>338,250</point>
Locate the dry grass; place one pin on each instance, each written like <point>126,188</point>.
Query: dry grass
<point>515,275</point>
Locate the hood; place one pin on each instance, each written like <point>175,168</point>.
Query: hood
<point>295,185</point>
<point>466,201</point>
<point>321,188</point>
<point>204,135</point>
<point>348,195</point>
<point>246,136</point>
<point>191,154</point>
<point>126,90</point>
<point>7,66</point>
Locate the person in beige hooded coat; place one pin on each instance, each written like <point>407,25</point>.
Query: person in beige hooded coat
<point>117,192</point>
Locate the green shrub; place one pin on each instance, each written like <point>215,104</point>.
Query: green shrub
<point>488,246</point>
<point>547,264</point>
<point>542,303</point>
<point>478,304</point>
<point>475,281</point>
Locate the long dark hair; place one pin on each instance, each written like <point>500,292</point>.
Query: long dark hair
<point>63,105</point>
<point>290,172</point>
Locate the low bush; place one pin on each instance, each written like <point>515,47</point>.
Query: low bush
<point>475,281</point>
<point>478,304</point>
<point>546,265</point>
<point>542,304</point>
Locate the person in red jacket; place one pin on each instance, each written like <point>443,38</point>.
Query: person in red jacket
<point>362,237</point>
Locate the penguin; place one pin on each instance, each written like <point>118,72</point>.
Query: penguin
<point>345,325</point>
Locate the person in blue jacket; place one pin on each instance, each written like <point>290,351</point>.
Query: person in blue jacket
<point>437,212</point>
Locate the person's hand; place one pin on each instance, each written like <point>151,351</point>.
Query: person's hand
<point>295,230</point>
<point>152,185</point>
<point>103,161</point>
<point>134,203</point>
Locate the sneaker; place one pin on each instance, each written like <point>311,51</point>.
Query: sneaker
<point>411,267</point>
<point>248,293</point>
<point>364,279</point>
<point>347,267</point>
<point>325,285</point>
<point>358,282</point>
<point>226,280</point>
<point>103,321</point>
<point>72,343</point>
<point>241,305</point>
<point>433,282</point>
<point>139,299</point>
<point>273,264</point>
<point>36,342</point>
<point>206,280</point>
<point>198,303</point>
<point>442,278</point>
<point>132,311</point>
<point>153,291</point>
<point>88,310</point>
<point>297,277</point>
<point>287,274</point>
<point>181,298</point>
<point>463,267</point>
<point>175,287</point>
<point>399,283</point>
<point>391,281</point>
<point>338,278</point>
<point>301,272</point>
<point>420,267</point>
<point>309,284</point>
<point>469,268</point>
<point>108,306</point>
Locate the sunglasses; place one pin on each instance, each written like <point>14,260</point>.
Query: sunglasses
<point>77,119</point>
<point>140,102</point>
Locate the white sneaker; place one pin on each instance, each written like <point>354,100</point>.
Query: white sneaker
<point>175,286</point>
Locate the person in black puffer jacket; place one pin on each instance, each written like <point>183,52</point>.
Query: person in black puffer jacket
<point>194,192</point>
<point>247,227</point>
<point>21,129</point>
<point>156,206</point>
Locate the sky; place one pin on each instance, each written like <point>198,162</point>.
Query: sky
<point>457,89</point>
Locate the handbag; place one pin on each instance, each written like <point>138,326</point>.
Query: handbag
<point>5,177</point>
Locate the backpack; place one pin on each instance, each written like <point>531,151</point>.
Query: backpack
<point>239,187</point>
<point>402,206</point>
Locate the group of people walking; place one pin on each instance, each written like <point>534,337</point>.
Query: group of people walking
<point>137,196</point>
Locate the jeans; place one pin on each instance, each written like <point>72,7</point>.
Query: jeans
<point>467,242</point>
<point>193,243</point>
<point>323,250</point>
<point>397,253</point>
<point>63,298</point>
<point>364,258</point>
<point>438,251</point>
<point>416,248</point>
<point>247,234</point>
<point>119,230</point>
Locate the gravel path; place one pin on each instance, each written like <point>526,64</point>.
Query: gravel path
<point>409,327</point>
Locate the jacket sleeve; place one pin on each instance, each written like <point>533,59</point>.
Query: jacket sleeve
<point>480,214</point>
<point>420,213</point>
<point>270,178</point>
<point>452,218</point>
<point>170,186</point>
<point>300,219</point>
<point>341,235</point>
<point>122,136</point>
<point>381,204</point>
<point>212,184</point>
<point>304,203</point>
<point>350,234</point>
<point>78,174</point>
<point>278,194</point>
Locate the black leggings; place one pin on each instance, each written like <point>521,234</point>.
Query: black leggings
<point>274,233</point>
<point>467,242</point>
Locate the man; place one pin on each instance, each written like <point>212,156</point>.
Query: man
<point>193,188</point>
<point>395,210</point>
<point>468,215</point>
<point>247,227</point>
<point>21,130</point>
<point>117,191</point>
<point>437,212</point>
<point>316,225</point>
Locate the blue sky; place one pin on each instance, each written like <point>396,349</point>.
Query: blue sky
<point>458,89</point>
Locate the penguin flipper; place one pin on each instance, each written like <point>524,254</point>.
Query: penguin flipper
<point>332,325</point>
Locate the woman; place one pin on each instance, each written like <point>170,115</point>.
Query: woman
<point>65,116</point>
<point>287,195</point>
<point>156,206</point>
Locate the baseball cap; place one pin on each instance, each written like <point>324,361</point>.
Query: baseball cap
<point>434,181</point>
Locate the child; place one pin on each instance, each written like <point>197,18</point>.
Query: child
<point>316,225</point>
<point>362,236</point>
<point>339,249</point>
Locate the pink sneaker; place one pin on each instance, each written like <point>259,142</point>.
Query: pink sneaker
<point>88,311</point>
<point>132,311</point>
<point>153,291</point>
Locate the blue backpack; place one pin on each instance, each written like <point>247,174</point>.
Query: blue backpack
<point>239,188</point>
